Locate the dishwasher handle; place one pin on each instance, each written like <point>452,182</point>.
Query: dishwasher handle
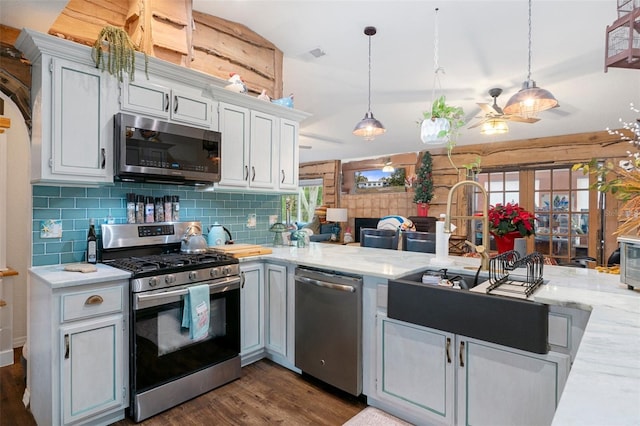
<point>332,286</point>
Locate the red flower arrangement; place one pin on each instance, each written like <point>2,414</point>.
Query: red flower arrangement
<point>511,218</point>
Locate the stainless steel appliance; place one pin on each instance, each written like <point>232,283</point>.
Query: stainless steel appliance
<point>328,327</point>
<point>630,261</point>
<point>167,366</point>
<point>153,150</point>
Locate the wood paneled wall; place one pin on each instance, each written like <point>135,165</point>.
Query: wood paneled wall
<point>163,29</point>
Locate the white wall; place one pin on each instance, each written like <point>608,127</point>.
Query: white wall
<point>18,214</point>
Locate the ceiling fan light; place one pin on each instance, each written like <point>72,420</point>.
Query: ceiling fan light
<point>368,128</point>
<point>530,100</point>
<point>388,169</point>
<point>494,127</point>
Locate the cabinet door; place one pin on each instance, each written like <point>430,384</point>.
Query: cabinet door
<point>288,159</point>
<point>264,132</point>
<point>146,98</point>
<point>415,370</point>
<point>276,294</point>
<point>81,127</point>
<point>501,385</point>
<point>252,308</point>
<point>190,108</point>
<point>234,125</point>
<point>92,362</point>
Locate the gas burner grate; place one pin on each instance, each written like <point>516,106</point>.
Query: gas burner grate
<point>171,261</point>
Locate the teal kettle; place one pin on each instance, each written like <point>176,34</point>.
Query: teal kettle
<point>218,235</point>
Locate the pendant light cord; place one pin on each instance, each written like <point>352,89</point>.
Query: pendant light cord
<point>436,65</point>
<point>369,106</point>
<point>529,67</point>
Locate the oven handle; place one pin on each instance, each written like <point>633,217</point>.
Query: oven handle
<point>142,300</point>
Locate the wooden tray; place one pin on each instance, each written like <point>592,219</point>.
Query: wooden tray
<point>241,250</point>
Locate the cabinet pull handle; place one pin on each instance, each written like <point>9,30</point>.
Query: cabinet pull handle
<point>448,354</point>
<point>175,104</point>
<point>166,102</point>
<point>461,354</point>
<point>246,172</point>
<point>66,346</point>
<point>283,176</point>
<point>104,157</point>
<point>253,173</point>
<point>242,279</point>
<point>94,300</point>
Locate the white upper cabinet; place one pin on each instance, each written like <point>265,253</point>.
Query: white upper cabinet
<point>169,103</point>
<point>288,158</point>
<point>73,105</point>
<point>248,139</point>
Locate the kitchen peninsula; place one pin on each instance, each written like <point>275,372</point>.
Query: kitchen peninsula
<point>603,386</point>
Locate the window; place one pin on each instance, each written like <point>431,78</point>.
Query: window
<point>560,200</point>
<point>303,205</point>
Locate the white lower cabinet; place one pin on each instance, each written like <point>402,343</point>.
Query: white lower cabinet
<point>429,376</point>
<point>78,352</point>
<point>92,376</point>
<point>276,302</point>
<point>252,312</point>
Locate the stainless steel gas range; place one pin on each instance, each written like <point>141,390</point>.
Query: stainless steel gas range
<point>168,365</point>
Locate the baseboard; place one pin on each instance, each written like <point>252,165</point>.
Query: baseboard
<point>18,342</point>
<point>6,357</point>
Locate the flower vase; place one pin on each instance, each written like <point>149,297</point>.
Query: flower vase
<point>423,209</point>
<point>506,242</point>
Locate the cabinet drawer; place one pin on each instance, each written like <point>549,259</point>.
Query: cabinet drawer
<point>91,303</point>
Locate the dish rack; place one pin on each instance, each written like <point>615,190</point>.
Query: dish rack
<point>499,268</point>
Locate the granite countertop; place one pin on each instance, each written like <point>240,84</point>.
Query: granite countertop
<point>603,387</point>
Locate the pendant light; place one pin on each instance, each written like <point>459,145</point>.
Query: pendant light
<point>369,127</point>
<point>531,99</point>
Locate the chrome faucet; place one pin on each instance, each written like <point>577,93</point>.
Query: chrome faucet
<point>485,219</point>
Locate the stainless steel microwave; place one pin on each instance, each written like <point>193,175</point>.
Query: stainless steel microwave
<point>630,261</point>
<point>151,150</point>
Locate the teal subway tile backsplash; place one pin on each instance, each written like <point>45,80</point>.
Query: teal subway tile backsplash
<point>75,206</point>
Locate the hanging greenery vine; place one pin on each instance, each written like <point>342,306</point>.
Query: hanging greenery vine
<point>120,52</point>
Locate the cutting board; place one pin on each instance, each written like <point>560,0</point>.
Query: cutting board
<point>241,250</point>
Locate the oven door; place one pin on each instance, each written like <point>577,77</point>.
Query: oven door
<point>162,350</point>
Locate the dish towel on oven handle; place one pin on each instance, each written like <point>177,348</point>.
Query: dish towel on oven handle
<point>195,315</point>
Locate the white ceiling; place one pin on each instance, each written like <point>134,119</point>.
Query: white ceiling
<point>482,44</point>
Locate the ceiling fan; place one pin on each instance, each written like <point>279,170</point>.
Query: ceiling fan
<point>493,113</point>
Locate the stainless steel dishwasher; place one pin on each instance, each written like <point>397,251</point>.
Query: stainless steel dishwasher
<point>329,327</point>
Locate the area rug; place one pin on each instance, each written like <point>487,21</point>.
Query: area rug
<point>371,416</point>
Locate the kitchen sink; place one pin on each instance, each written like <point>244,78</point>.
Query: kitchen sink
<point>517,323</point>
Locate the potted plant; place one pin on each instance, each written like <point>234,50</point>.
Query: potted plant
<point>442,124</point>
<point>424,185</point>
<point>508,222</point>
<point>114,51</point>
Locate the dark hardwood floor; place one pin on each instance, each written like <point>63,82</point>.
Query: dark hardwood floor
<point>265,394</point>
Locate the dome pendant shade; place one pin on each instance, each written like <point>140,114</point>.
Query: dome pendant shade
<point>435,131</point>
<point>530,100</point>
<point>368,128</point>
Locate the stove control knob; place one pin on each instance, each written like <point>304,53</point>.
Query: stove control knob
<point>193,275</point>
<point>169,279</point>
<point>153,281</point>
<point>226,270</point>
<point>214,272</point>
